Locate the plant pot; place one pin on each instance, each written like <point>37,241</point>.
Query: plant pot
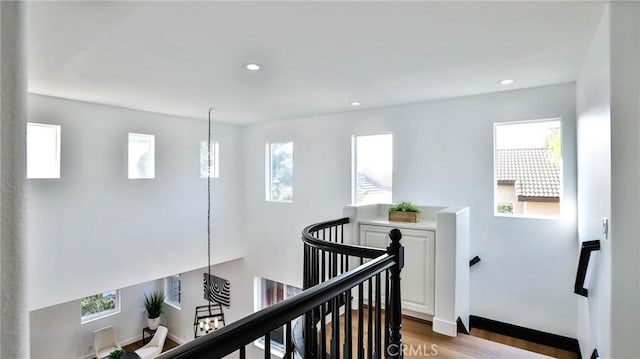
<point>153,323</point>
<point>400,216</point>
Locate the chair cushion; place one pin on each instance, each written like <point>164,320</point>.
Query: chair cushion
<point>148,352</point>
<point>104,352</point>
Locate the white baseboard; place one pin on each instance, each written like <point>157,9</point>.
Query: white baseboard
<point>175,339</point>
<point>122,344</point>
<point>445,327</point>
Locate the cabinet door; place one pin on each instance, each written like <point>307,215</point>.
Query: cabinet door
<point>418,274</point>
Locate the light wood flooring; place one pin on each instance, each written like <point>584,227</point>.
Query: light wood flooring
<point>421,341</point>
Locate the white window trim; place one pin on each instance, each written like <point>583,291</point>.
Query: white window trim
<point>152,159</point>
<point>167,301</point>
<point>268,171</point>
<point>354,162</point>
<point>495,179</point>
<point>58,129</point>
<point>107,313</point>
<point>257,298</point>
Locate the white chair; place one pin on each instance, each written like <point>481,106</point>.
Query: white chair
<point>154,347</point>
<point>104,342</point>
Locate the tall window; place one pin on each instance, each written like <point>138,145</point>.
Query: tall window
<point>43,150</point>
<point>141,156</point>
<point>528,168</point>
<point>280,172</point>
<point>100,305</point>
<point>268,293</point>
<point>373,168</point>
<point>204,159</point>
<point>172,290</point>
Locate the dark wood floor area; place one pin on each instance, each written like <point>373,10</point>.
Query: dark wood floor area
<point>168,344</point>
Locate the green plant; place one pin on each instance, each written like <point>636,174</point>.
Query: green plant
<point>116,354</point>
<point>154,304</point>
<point>404,206</point>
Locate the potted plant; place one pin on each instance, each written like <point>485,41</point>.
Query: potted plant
<point>404,211</point>
<point>116,354</point>
<point>154,305</point>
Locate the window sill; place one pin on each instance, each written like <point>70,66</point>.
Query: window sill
<point>173,305</point>
<point>274,350</point>
<point>524,216</point>
<point>95,317</point>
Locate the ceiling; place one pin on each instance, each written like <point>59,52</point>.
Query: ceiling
<point>180,58</point>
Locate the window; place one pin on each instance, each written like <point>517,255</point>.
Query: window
<point>528,168</point>
<point>172,291</point>
<point>43,150</point>
<point>268,293</point>
<point>280,172</point>
<point>141,156</point>
<point>372,168</point>
<point>204,159</point>
<point>100,305</point>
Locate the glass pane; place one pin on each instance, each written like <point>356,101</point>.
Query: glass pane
<point>99,303</point>
<point>374,168</point>
<point>173,289</point>
<point>215,171</point>
<point>141,156</point>
<point>528,168</point>
<point>281,171</point>
<point>43,151</point>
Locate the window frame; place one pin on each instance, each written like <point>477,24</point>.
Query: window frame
<point>58,139</point>
<point>105,313</point>
<point>354,163</point>
<point>215,160</point>
<point>167,300</point>
<point>268,171</point>
<point>495,201</point>
<point>152,156</point>
<point>257,306</point>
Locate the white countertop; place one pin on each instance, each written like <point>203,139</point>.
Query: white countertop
<point>424,224</point>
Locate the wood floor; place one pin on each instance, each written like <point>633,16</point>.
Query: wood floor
<point>421,341</point>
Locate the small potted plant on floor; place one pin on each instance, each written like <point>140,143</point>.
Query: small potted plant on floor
<point>404,211</point>
<point>116,354</point>
<point>154,305</point>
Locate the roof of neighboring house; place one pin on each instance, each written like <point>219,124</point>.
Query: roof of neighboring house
<point>533,171</point>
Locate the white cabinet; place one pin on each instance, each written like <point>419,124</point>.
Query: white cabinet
<point>418,274</point>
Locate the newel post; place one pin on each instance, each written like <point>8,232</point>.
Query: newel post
<point>394,350</point>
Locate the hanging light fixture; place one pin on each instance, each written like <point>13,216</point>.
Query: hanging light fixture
<point>208,317</point>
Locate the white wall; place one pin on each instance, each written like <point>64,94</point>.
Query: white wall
<point>594,188</point>
<point>180,321</point>
<point>443,156</point>
<point>94,230</point>
<point>56,331</point>
<point>625,177</point>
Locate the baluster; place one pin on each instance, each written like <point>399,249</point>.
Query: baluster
<point>243,353</point>
<point>370,321</point>
<point>387,317</point>
<point>323,330</point>
<point>335,328</point>
<point>395,325</point>
<point>288,341</point>
<point>347,325</point>
<point>360,353</point>
<point>378,339</point>
<point>267,345</point>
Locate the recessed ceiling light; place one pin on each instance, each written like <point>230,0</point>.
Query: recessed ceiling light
<point>253,67</point>
<point>355,103</point>
<point>506,82</point>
